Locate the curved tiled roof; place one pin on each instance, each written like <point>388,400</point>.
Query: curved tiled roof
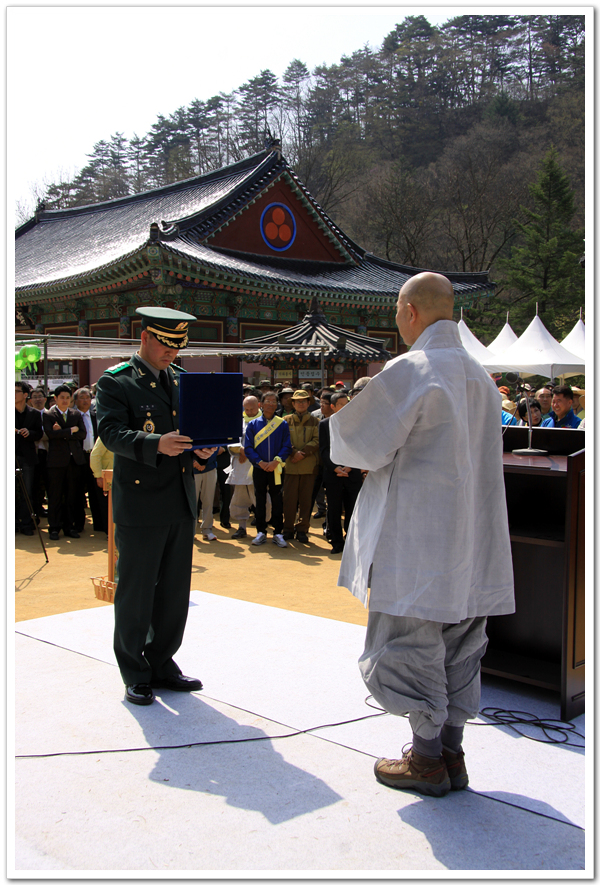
<point>315,330</point>
<point>58,248</point>
<point>68,243</point>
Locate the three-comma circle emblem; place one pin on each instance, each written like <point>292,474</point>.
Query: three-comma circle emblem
<point>278,227</point>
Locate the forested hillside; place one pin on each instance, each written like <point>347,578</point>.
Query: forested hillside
<point>454,148</point>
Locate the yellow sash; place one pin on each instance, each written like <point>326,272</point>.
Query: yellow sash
<point>262,435</point>
<point>268,430</point>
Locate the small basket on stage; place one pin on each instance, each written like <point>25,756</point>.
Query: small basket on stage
<point>104,589</point>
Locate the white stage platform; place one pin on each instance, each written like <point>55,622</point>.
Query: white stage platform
<point>137,797</point>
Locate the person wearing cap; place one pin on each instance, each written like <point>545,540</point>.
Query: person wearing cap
<point>429,534</point>
<point>285,398</point>
<point>359,385</point>
<point>579,402</point>
<point>154,505</point>
<point>301,468</point>
<point>507,404</point>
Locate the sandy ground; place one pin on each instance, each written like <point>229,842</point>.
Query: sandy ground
<point>301,577</point>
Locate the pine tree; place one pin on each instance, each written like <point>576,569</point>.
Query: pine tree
<point>544,268</point>
<point>258,97</point>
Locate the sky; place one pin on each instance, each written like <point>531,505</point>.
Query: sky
<point>78,74</point>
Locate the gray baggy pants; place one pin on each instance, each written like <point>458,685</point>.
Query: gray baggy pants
<point>424,668</point>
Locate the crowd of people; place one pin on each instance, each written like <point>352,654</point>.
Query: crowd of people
<point>276,482</point>
<point>59,460</point>
<point>60,457</point>
<point>554,405</point>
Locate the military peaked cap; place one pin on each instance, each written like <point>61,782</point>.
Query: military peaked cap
<point>170,326</point>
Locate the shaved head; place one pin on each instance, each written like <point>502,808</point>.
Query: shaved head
<point>424,299</point>
<point>431,293</point>
<point>250,405</point>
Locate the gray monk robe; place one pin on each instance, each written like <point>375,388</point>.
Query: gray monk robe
<point>431,516</point>
<point>429,533</point>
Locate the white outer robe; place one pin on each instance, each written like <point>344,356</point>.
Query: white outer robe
<point>429,532</point>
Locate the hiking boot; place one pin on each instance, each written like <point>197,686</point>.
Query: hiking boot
<point>414,772</point>
<point>457,770</point>
<point>241,533</point>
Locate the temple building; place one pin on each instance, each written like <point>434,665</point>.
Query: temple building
<point>245,248</point>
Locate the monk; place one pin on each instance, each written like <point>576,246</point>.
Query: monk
<point>429,534</point>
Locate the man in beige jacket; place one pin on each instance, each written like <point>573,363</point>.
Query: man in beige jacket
<point>301,468</point>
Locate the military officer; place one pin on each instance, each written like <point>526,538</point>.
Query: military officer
<point>154,505</point>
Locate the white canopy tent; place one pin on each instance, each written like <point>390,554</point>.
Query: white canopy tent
<point>575,340</point>
<point>503,340</point>
<point>471,344</point>
<point>536,352</point>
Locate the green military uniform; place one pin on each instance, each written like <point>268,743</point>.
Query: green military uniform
<point>154,509</point>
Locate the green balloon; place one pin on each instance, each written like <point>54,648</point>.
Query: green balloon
<point>31,352</point>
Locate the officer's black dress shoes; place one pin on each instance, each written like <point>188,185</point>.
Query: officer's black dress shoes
<point>54,536</point>
<point>177,682</point>
<point>139,694</point>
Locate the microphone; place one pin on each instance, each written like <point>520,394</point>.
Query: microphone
<point>515,378</point>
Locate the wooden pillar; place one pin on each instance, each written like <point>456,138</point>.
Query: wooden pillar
<point>82,367</point>
<point>232,336</point>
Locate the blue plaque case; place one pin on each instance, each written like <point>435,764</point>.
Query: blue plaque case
<point>210,407</point>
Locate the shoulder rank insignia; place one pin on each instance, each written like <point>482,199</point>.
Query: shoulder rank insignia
<point>112,370</point>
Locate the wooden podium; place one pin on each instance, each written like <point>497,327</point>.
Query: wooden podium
<point>543,642</point>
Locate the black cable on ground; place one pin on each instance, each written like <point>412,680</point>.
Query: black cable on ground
<point>500,717</point>
<point>555,730</point>
<point>509,718</point>
<point>521,808</point>
<point>265,737</point>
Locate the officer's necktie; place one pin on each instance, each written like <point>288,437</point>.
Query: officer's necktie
<point>164,380</point>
